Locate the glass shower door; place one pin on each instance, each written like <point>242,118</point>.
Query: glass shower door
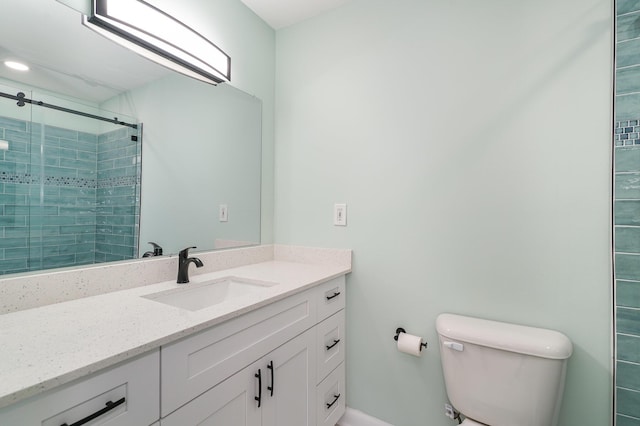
<point>16,181</point>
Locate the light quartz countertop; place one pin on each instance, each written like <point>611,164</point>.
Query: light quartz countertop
<point>45,347</point>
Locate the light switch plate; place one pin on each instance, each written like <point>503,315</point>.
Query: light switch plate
<point>223,214</point>
<point>340,214</point>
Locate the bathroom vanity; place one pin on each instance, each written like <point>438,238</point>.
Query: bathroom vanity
<point>269,355</point>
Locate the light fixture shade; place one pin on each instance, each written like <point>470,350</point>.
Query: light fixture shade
<point>154,34</point>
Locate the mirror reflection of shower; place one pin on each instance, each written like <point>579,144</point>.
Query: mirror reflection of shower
<point>69,183</point>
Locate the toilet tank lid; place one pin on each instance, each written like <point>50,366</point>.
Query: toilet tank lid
<point>522,339</point>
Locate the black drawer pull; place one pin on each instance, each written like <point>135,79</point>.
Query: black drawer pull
<point>109,406</point>
<point>335,294</point>
<point>335,342</point>
<point>335,399</point>
<point>258,398</point>
<point>270,388</point>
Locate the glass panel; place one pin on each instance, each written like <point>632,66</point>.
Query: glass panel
<point>73,197</point>
<point>15,182</point>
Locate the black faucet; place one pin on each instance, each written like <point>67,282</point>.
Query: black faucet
<point>183,265</point>
<point>157,250</point>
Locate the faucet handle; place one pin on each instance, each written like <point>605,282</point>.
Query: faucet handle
<point>157,250</point>
<point>185,252</point>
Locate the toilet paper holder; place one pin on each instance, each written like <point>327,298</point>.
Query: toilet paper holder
<point>402,330</point>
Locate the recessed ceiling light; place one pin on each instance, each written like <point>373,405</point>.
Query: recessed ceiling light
<point>16,65</point>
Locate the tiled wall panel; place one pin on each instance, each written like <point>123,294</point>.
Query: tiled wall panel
<point>118,195</point>
<point>66,197</point>
<point>627,212</point>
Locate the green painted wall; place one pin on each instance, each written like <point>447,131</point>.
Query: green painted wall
<point>472,144</point>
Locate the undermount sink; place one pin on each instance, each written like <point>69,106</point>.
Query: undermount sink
<point>196,296</point>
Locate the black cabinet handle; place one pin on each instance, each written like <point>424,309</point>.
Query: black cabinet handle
<point>110,405</point>
<point>335,294</point>
<point>335,399</point>
<point>335,342</point>
<point>270,367</point>
<point>258,398</point>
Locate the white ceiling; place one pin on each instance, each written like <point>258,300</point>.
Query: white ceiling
<point>67,58</point>
<point>283,13</point>
<point>64,56</point>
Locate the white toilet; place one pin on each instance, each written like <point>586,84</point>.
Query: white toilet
<point>501,374</point>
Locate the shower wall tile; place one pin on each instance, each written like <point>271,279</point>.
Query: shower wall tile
<point>627,212</point>
<point>14,232</point>
<point>7,123</point>
<point>628,348</point>
<point>627,239</point>
<point>16,253</point>
<point>629,375</point>
<point>628,402</point>
<point>627,107</point>
<point>627,185</point>
<point>628,53</point>
<point>628,27</point>
<point>626,6</point>
<point>628,321</point>
<point>627,266</point>
<point>627,79</point>
<point>627,421</point>
<point>118,195</point>
<point>628,294</point>
<point>13,266</point>
<point>9,243</point>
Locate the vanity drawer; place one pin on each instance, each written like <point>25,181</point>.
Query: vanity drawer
<point>132,388</point>
<point>331,397</point>
<point>331,297</point>
<point>331,344</point>
<point>193,365</point>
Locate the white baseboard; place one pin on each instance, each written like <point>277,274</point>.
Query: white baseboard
<point>354,417</point>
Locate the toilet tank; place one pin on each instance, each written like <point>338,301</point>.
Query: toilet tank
<point>503,374</point>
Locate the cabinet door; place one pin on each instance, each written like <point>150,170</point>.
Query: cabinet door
<point>199,362</point>
<point>230,403</point>
<point>289,391</point>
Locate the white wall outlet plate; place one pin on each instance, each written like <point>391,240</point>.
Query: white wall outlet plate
<point>223,213</point>
<point>340,214</point>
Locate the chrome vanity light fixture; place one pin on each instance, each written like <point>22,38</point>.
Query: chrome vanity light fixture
<point>158,36</point>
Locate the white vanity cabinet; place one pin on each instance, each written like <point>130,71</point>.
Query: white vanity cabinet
<point>277,390</point>
<point>264,368</point>
<point>125,395</point>
<point>281,364</point>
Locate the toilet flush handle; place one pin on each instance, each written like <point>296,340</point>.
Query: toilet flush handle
<point>454,345</point>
